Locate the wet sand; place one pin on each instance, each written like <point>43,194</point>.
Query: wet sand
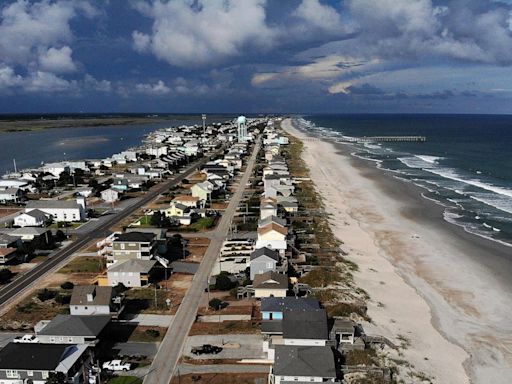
<point>444,290</point>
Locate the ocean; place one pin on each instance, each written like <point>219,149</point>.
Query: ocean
<point>465,165</point>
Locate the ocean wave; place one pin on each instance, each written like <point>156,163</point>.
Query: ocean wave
<point>498,202</point>
<point>453,175</point>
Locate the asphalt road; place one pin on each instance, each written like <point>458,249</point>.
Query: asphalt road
<point>13,289</point>
<point>165,362</point>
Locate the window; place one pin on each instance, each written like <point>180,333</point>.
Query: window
<point>30,373</point>
<point>11,374</point>
<point>270,264</point>
<point>44,375</point>
<point>122,245</point>
<point>52,339</point>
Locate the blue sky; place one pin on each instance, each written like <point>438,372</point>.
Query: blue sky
<point>414,56</point>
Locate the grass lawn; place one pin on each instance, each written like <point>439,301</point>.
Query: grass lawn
<point>87,264</point>
<point>143,300</point>
<point>125,380</point>
<point>72,225</point>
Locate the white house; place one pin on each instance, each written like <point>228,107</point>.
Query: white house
<point>110,195</point>
<point>202,190</point>
<point>272,236</point>
<point>91,300</point>
<point>130,273</point>
<point>33,218</point>
<point>60,210</point>
<point>10,195</point>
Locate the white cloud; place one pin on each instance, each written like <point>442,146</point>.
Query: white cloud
<point>97,85</point>
<point>197,33</point>
<point>8,78</point>
<point>314,14</point>
<point>46,82</point>
<point>30,29</point>
<point>57,60</point>
<point>157,89</point>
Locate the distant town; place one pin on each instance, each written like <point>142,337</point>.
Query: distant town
<point>203,252</point>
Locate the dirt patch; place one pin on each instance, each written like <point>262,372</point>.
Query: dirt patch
<point>226,327</point>
<point>221,378</point>
<point>8,211</point>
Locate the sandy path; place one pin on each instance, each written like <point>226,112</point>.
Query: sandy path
<point>422,285</point>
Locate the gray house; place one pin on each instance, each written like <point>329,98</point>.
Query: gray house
<point>69,329</point>
<point>263,260</point>
<point>24,363</point>
<point>134,245</point>
<point>130,273</point>
<point>303,364</point>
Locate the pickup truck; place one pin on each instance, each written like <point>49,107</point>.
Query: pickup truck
<point>26,339</point>
<point>206,349</point>
<point>116,365</point>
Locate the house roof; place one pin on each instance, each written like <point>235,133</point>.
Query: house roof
<point>180,206</point>
<point>52,204</point>
<point>101,295</point>
<point>133,265</point>
<point>33,231</point>
<point>272,227</point>
<point>271,279</point>
<point>280,304</point>
<point>37,357</point>
<point>302,324</point>
<point>272,219</point>
<point>35,213</point>
<point>265,252</point>
<point>7,251</point>
<point>71,325</point>
<point>7,239</point>
<point>304,361</point>
<point>136,237</point>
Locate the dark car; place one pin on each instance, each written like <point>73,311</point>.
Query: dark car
<point>206,349</point>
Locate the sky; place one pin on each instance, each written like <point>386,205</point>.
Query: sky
<point>256,56</point>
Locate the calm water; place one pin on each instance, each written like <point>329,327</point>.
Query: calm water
<point>466,163</point>
<point>31,148</point>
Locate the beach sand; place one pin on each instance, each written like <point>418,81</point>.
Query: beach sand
<point>445,291</point>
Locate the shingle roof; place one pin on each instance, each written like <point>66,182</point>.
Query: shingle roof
<point>44,357</point>
<point>302,324</point>
<point>304,361</point>
<point>52,204</point>
<point>280,304</point>
<point>36,213</point>
<point>271,280</point>
<point>70,325</point>
<point>7,251</point>
<point>271,219</point>
<point>265,252</point>
<point>273,227</point>
<point>142,237</point>
<point>101,295</point>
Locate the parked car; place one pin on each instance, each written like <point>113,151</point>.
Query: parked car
<point>206,349</point>
<point>116,365</point>
<point>26,339</point>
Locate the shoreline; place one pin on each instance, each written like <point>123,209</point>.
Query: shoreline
<point>438,284</point>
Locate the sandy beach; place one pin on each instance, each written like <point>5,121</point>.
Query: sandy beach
<point>443,290</point>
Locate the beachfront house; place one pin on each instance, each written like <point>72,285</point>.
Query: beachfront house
<point>270,284</point>
<point>303,364</point>
<point>35,363</point>
<point>305,327</point>
<point>263,260</point>
<point>272,236</point>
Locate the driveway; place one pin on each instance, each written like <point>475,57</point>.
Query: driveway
<point>234,346</point>
<point>185,369</point>
<point>148,320</point>
<point>137,349</point>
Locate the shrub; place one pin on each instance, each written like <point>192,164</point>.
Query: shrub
<point>224,283</point>
<point>67,285</point>
<point>46,294</point>
<point>215,304</point>
<point>5,275</point>
<point>63,299</point>
<point>154,333</point>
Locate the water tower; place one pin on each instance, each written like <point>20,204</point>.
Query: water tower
<point>242,128</point>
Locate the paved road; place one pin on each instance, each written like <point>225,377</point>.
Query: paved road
<point>12,290</point>
<point>166,360</point>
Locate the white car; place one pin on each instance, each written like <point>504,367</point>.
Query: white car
<point>26,339</point>
<point>116,365</point>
